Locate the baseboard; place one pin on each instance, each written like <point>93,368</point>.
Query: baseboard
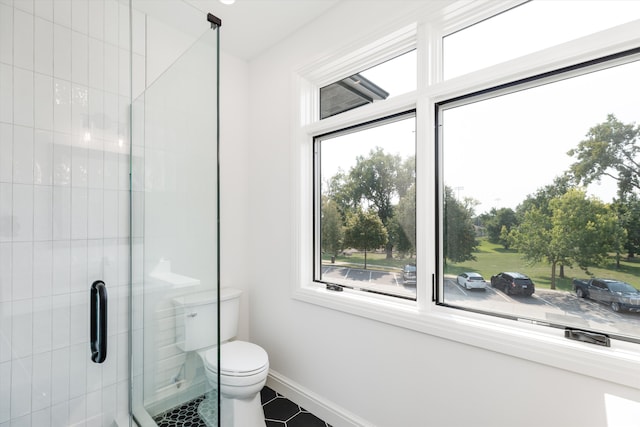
<point>317,405</point>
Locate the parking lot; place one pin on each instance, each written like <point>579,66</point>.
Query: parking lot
<point>557,307</point>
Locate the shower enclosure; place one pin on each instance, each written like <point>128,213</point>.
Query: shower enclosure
<point>108,206</point>
<point>174,208</point>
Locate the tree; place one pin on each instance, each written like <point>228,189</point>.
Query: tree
<point>611,149</point>
<point>365,231</point>
<point>332,232</point>
<point>496,221</point>
<point>374,182</point>
<point>576,229</point>
<point>459,232</point>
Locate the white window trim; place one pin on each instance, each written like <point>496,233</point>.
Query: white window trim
<point>619,363</point>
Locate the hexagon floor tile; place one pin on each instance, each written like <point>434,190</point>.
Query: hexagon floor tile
<point>278,412</point>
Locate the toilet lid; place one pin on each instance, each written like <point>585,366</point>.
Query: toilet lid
<point>238,358</point>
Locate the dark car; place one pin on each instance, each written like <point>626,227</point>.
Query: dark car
<point>617,294</point>
<point>409,274</point>
<point>513,283</point>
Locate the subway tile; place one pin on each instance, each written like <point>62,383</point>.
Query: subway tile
<point>43,158</point>
<point>6,212</point>
<point>62,106</point>
<point>61,159</point>
<point>24,5</point>
<point>96,63</point>
<point>79,266</point>
<point>6,153</point>
<point>21,371</point>
<point>60,413</point>
<point>6,93</point>
<point>60,376</point>
<point>79,166</point>
<point>94,409</point>
<point>77,370</point>
<point>42,212</point>
<point>61,51</point>
<point>22,212</point>
<point>111,14</point>
<point>23,107</point>
<point>44,102</point>
<point>95,207</point>
<point>79,213</point>
<point>61,271</point>
<point>23,155</point>
<point>80,16</point>
<point>61,213</point>
<point>78,411</point>
<point>6,325</point>
<point>41,384</point>
<point>96,164</point>
<point>22,330</point>
<point>6,34</point>
<point>42,325</point>
<point>44,9</point>
<point>41,418</point>
<point>96,19</point>
<point>22,274</point>
<point>6,282</point>
<point>42,268</point>
<point>5,391</point>
<point>43,46</point>
<point>62,12</point>
<point>79,58</point>
<point>60,325</point>
<point>23,38</point>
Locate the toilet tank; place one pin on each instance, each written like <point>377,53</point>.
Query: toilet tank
<point>197,318</point>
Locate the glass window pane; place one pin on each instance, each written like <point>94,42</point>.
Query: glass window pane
<point>365,196</point>
<point>544,182</point>
<point>528,28</point>
<point>384,81</point>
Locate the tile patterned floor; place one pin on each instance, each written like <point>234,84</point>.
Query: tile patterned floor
<point>278,412</point>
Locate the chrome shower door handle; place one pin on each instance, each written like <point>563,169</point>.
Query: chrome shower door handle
<point>98,321</point>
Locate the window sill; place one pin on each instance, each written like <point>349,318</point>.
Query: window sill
<point>619,363</point>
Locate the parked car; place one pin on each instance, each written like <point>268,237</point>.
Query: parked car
<point>618,295</point>
<point>471,280</point>
<point>409,274</point>
<point>513,283</point>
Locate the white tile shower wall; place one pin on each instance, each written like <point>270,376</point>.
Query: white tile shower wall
<point>64,210</point>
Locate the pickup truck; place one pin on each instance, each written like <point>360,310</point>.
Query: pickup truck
<point>618,295</point>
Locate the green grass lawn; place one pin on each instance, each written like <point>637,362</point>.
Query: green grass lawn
<point>493,259</point>
<point>375,261</point>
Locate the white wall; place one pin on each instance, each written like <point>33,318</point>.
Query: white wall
<point>385,375</point>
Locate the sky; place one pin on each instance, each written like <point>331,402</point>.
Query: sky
<point>500,150</point>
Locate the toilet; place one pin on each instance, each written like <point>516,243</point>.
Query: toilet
<point>243,366</point>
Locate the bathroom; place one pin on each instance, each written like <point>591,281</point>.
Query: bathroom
<point>72,60</point>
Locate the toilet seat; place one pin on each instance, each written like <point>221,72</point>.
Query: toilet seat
<point>238,359</point>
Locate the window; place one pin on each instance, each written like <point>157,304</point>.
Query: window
<point>365,207</point>
<point>501,156</point>
<point>383,81</point>
<point>540,189</point>
<point>531,27</point>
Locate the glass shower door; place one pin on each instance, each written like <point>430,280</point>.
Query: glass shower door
<point>174,225</point>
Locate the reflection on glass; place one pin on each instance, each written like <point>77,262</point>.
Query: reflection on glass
<point>541,186</point>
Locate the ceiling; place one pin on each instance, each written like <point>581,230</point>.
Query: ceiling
<point>249,27</point>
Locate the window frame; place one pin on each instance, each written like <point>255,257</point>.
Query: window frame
<point>619,363</point>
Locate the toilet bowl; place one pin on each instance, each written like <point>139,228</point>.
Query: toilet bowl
<point>243,373</point>
<point>243,367</point>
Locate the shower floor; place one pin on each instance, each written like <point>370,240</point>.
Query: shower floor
<point>278,412</point>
